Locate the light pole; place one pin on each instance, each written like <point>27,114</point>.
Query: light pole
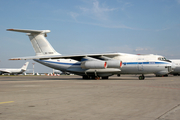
<point>33,68</point>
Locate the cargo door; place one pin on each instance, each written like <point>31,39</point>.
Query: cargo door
<point>140,66</point>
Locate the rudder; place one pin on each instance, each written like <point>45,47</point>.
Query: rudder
<point>24,67</point>
<point>41,45</point>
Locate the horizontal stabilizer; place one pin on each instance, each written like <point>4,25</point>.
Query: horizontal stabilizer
<point>40,44</point>
<point>29,31</point>
<point>35,57</point>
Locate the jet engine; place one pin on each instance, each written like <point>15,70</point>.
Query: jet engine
<point>94,65</point>
<point>114,64</point>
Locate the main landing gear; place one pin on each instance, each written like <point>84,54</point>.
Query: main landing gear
<point>142,77</point>
<point>97,78</point>
<point>118,75</point>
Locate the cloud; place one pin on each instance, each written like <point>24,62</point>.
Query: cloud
<point>100,11</point>
<point>74,15</point>
<point>126,5</point>
<point>163,29</point>
<point>178,1</point>
<point>121,49</point>
<point>141,49</point>
<point>144,50</point>
<point>100,14</point>
<point>97,11</point>
<point>108,25</point>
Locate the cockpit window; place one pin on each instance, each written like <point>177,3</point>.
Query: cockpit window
<point>162,59</point>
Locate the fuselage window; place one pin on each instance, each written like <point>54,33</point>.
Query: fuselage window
<point>159,58</point>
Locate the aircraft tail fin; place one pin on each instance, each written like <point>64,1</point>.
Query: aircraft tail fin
<point>40,44</point>
<point>24,67</point>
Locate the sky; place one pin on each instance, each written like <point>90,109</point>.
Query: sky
<point>90,26</point>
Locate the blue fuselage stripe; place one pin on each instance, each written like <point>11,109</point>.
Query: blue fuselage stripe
<point>144,63</point>
<point>124,63</point>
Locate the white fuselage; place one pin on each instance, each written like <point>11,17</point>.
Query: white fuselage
<point>144,64</point>
<point>14,70</point>
<point>11,71</point>
<point>132,64</point>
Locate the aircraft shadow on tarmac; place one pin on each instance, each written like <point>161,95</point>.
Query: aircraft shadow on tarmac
<point>35,78</point>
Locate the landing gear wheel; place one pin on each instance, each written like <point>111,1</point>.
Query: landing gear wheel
<point>141,77</point>
<point>166,75</point>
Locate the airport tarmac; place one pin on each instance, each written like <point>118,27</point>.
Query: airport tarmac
<point>72,98</point>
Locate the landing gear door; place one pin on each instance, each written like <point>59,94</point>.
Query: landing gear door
<point>140,66</point>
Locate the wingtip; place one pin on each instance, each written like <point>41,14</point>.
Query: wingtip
<point>9,29</point>
<point>15,59</point>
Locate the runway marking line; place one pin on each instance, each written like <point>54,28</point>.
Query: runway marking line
<point>6,102</point>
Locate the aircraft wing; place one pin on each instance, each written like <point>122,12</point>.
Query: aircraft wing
<point>75,57</point>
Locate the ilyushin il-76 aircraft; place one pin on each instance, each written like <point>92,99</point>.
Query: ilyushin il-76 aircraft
<point>14,71</point>
<point>94,66</point>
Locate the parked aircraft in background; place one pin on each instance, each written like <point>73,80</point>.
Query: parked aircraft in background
<point>93,65</point>
<point>176,62</point>
<point>14,71</point>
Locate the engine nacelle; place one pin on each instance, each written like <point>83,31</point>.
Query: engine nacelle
<point>94,65</point>
<point>114,64</point>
